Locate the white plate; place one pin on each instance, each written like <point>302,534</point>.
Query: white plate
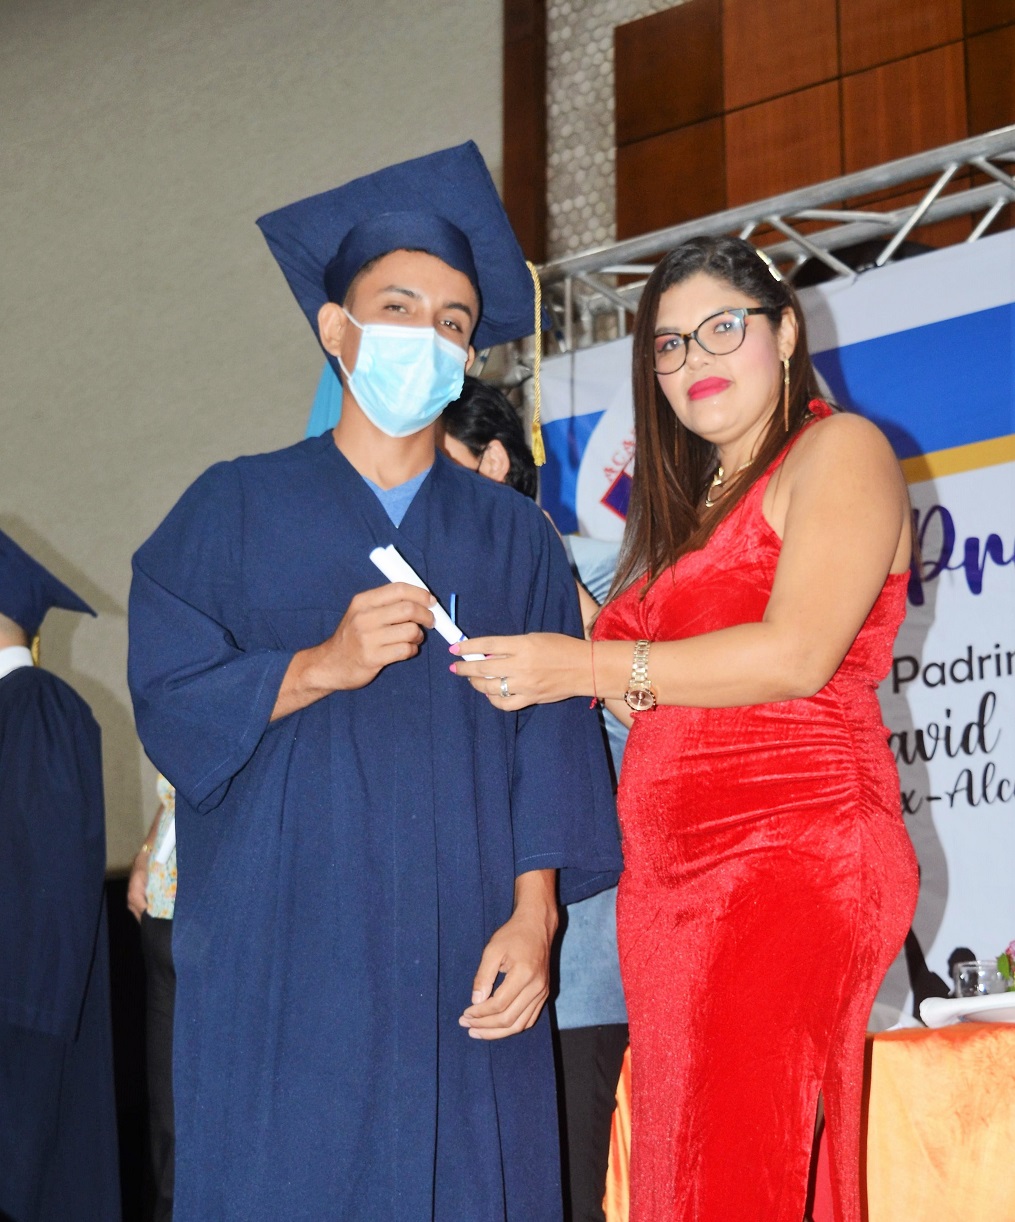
<point>943,1011</point>
<point>1000,1008</point>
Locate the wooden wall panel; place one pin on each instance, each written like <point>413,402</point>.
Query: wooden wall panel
<point>670,178</point>
<point>987,14</point>
<point>668,70</point>
<point>877,31</point>
<point>904,107</point>
<point>524,124</point>
<point>1005,219</point>
<point>777,146</point>
<point>944,233</point>
<point>990,70</point>
<point>773,50</point>
<point>914,76</point>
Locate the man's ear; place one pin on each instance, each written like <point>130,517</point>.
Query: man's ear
<point>331,324</point>
<point>470,358</point>
<point>495,463</point>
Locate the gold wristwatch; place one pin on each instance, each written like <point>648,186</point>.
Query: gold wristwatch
<point>640,695</point>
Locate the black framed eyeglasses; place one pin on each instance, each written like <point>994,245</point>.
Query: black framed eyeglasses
<point>719,334</point>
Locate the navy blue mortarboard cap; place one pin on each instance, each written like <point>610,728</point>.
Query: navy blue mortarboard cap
<point>28,590</point>
<point>379,235</point>
<point>444,203</point>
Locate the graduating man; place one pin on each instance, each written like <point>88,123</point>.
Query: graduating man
<point>368,850</point>
<point>58,1151</point>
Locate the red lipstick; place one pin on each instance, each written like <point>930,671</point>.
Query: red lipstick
<point>707,387</point>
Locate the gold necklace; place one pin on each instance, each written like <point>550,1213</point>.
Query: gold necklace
<point>719,479</point>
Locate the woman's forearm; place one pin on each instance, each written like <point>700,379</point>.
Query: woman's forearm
<point>754,663</point>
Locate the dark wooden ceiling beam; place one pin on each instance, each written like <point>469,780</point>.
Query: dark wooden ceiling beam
<point>524,183</point>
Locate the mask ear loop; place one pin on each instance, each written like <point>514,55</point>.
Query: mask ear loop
<point>538,449</point>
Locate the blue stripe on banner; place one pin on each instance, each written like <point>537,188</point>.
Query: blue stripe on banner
<point>565,442</point>
<point>934,387</point>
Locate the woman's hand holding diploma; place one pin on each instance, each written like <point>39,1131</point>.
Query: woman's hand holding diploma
<point>538,668</point>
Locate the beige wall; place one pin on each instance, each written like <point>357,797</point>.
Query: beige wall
<point>144,329</point>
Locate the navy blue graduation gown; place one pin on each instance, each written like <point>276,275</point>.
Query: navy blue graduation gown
<point>342,868</point>
<point>58,1139</point>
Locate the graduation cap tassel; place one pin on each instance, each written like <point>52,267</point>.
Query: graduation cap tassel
<point>538,449</point>
<point>35,647</point>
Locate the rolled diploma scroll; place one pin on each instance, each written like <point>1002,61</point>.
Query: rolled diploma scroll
<point>395,567</point>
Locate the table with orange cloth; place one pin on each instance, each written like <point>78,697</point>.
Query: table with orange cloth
<point>940,1128</point>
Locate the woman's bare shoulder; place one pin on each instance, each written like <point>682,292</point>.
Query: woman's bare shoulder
<point>842,439</point>
<point>842,459</point>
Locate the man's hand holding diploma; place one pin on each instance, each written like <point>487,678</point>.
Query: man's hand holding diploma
<point>379,627</point>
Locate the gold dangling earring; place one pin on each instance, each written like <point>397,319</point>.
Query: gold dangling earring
<point>785,391</point>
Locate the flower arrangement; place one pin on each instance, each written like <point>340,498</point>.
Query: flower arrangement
<point>1006,966</point>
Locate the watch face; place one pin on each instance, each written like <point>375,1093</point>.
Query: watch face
<point>640,700</point>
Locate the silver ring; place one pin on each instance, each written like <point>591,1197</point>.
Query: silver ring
<point>504,688</point>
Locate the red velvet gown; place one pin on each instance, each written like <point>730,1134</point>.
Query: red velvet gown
<point>768,884</point>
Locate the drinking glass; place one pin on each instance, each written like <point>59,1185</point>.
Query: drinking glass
<point>978,978</point>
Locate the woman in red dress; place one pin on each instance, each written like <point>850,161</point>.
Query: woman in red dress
<point>769,881</point>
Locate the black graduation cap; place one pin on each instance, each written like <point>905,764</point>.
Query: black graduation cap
<point>444,203</point>
<point>28,590</point>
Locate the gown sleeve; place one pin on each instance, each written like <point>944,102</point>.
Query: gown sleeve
<point>52,852</point>
<point>563,809</point>
<point>202,702</point>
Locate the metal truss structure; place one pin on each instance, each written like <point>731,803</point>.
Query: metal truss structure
<point>602,285</point>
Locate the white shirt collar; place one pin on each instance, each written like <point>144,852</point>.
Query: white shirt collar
<point>13,658</point>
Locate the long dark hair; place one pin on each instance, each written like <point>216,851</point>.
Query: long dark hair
<point>672,465</point>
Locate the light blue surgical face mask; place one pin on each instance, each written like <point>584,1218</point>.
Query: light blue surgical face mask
<point>404,376</point>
